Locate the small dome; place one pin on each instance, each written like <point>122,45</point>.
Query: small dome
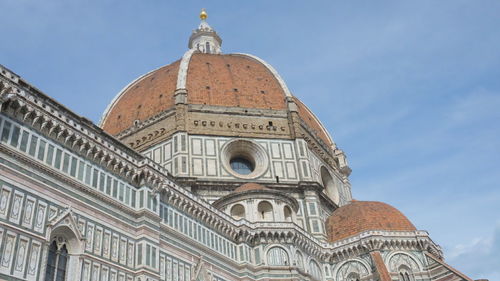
<point>250,186</point>
<point>360,216</point>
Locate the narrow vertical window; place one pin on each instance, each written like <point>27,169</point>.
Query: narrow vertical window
<point>41,150</point>
<point>108,185</point>
<point>34,140</point>
<point>101,182</point>
<point>133,198</point>
<point>121,192</point>
<point>57,162</point>
<point>155,204</point>
<point>127,195</point>
<point>14,139</point>
<point>153,249</point>
<point>88,172</point>
<point>51,262</point>
<point>24,141</point>
<point>6,131</point>
<point>115,188</point>
<point>74,163</point>
<point>50,154</point>
<point>141,199</point>
<point>61,264</point>
<point>148,255</point>
<point>81,170</point>
<point>95,178</point>
<point>57,263</point>
<point>66,163</point>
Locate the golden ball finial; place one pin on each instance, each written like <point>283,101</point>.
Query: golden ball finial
<point>203,14</point>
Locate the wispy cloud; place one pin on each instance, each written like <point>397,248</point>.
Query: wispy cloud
<point>479,256</point>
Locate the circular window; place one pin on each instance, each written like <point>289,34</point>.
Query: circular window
<point>244,159</point>
<point>241,165</point>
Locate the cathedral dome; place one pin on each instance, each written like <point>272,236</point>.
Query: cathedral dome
<point>225,80</point>
<point>232,80</point>
<point>360,216</point>
<point>208,78</point>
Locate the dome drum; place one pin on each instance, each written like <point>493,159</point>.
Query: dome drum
<point>255,202</point>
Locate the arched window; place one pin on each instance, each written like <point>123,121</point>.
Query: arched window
<point>287,213</point>
<point>277,256</point>
<point>57,262</point>
<point>238,212</point>
<point>300,260</point>
<point>265,210</point>
<point>207,49</point>
<point>405,273</point>
<point>315,270</point>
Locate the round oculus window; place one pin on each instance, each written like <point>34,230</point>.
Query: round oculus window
<point>244,159</point>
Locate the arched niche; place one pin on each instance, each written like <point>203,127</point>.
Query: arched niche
<point>287,213</point>
<point>238,211</point>
<point>265,211</point>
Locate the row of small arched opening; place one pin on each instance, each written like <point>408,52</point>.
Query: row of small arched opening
<point>265,212</point>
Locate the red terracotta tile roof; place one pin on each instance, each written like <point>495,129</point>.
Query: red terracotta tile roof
<point>234,81</point>
<point>311,122</point>
<point>143,99</point>
<point>218,80</point>
<point>250,186</point>
<point>360,216</point>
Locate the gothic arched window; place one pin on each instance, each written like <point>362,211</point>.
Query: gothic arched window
<point>405,273</point>
<point>315,270</point>
<point>277,256</point>
<point>57,262</point>
<point>300,260</point>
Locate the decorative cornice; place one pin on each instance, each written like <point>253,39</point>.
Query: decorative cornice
<point>29,106</point>
<point>144,124</point>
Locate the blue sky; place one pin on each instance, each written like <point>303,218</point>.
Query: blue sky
<point>409,90</point>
